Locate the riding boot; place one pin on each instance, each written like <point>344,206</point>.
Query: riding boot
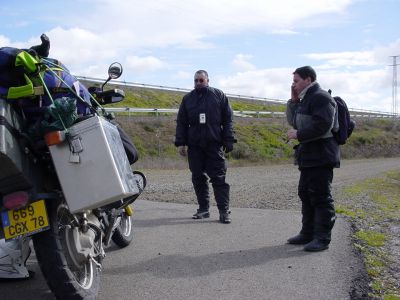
<point>201,189</point>
<point>307,212</point>
<point>324,220</point>
<point>221,193</point>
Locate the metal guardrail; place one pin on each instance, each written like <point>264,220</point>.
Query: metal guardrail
<point>237,113</point>
<point>354,112</point>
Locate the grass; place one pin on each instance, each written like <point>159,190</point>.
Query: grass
<point>260,139</point>
<point>374,216</point>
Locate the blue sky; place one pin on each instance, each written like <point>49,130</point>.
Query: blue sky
<point>248,47</point>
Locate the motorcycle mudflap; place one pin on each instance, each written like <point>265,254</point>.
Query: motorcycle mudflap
<point>28,220</point>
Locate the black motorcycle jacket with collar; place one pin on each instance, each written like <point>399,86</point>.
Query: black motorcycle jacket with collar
<point>204,117</point>
<point>314,118</point>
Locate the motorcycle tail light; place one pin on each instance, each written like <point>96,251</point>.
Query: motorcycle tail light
<point>15,200</point>
<point>54,137</point>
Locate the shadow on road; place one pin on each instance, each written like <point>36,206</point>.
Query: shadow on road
<point>29,289</point>
<point>169,221</point>
<point>177,266</point>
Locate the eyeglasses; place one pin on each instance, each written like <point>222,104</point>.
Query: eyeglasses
<point>199,80</point>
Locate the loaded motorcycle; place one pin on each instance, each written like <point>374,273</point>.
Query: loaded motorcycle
<point>71,191</point>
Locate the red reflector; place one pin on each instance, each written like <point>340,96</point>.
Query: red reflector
<point>15,200</point>
<point>54,137</point>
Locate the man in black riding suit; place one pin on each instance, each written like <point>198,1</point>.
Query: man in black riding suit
<point>312,113</point>
<point>204,133</point>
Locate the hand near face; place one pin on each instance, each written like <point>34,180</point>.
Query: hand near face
<point>294,95</point>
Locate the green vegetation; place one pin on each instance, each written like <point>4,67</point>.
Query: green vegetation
<point>260,139</point>
<point>375,221</point>
<point>154,98</point>
<point>375,137</point>
<point>255,106</point>
<point>136,97</point>
<point>261,142</point>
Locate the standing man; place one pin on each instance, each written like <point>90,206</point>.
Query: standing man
<point>203,133</point>
<point>312,113</point>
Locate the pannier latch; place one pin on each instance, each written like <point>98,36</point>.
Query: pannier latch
<point>76,147</point>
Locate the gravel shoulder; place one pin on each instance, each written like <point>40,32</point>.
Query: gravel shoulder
<point>268,187</point>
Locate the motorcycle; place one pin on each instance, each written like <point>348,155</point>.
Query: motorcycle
<point>70,237</point>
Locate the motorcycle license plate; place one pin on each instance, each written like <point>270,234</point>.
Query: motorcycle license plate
<point>25,221</point>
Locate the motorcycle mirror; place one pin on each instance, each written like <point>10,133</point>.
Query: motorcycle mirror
<point>115,70</point>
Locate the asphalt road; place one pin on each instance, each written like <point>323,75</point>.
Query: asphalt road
<point>175,257</point>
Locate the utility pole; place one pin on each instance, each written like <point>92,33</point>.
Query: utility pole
<point>394,86</point>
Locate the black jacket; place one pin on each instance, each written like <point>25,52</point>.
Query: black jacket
<point>218,119</point>
<point>314,118</point>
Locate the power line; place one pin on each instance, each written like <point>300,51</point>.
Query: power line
<point>394,85</point>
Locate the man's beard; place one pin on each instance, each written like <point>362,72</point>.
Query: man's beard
<point>201,89</point>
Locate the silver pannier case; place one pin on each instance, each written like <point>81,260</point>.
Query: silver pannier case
<point>92,165</point>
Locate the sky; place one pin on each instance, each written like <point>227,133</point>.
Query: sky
<point>248,47</point>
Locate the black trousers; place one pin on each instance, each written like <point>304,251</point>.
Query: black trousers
<point>209,161</point>
<point>318,211</point>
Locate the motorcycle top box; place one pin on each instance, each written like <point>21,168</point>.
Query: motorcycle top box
<point>92,165</point>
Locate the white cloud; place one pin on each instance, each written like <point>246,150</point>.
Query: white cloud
<point>241,62</point>
<point>368,87</point>
<point>360,89</point>
<point>187,23</point>
<point>142,64</point>
<point>271,83</point>
<point>378,56</point>
<point>183,75</point>
<point>4,41</point>
<point>383,52</point>
<point>104,31</point>
<point>344,59</point>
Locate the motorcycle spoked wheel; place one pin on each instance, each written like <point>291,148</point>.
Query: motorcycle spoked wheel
<point>65,279</point>
<point>123,234</point>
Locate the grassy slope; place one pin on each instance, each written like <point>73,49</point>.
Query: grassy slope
<point>259,139</point>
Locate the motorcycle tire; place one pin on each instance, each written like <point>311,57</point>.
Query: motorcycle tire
<point>123,234</point>
<point>64,278</point>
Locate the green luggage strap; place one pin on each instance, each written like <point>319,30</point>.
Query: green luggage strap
<point>29,63</point>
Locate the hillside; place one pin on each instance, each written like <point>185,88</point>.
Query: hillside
<point>260,140</point>
<point>158,98</point>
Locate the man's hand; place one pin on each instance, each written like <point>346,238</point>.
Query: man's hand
<point>294,96</point>
<point>292,134</point>
<point>227,147</point>
<point>182,150</point>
